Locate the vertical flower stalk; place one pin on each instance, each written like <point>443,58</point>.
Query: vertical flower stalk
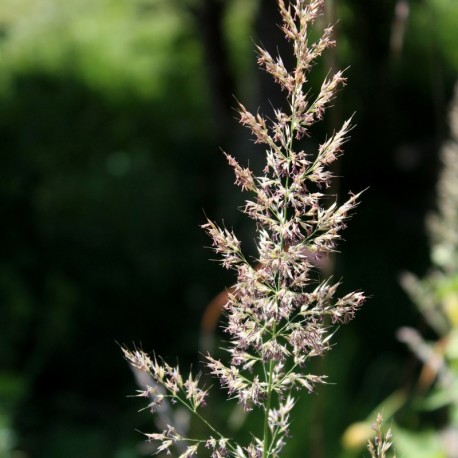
<point>279,315</point>
<point>436,296</point>
<point>381,444</point>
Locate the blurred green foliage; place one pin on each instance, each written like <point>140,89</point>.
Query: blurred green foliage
<point>113,47</point>
<point>109,152</point>
<point>100,219</point>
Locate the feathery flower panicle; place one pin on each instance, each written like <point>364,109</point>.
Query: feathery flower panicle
<point>278,315</point>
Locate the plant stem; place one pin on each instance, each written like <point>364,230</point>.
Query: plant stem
<point>208,424</point>
<point>266,413</point>
<point>201,418</point>
<point>266,445</point>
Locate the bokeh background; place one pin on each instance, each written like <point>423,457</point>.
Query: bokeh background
<point>112,116</point>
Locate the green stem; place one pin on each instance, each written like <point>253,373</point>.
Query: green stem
<point>203,420</point>
<point>208,424</point>
<point>266,445</point>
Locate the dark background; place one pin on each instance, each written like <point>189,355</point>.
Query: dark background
<point>112,115</point>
